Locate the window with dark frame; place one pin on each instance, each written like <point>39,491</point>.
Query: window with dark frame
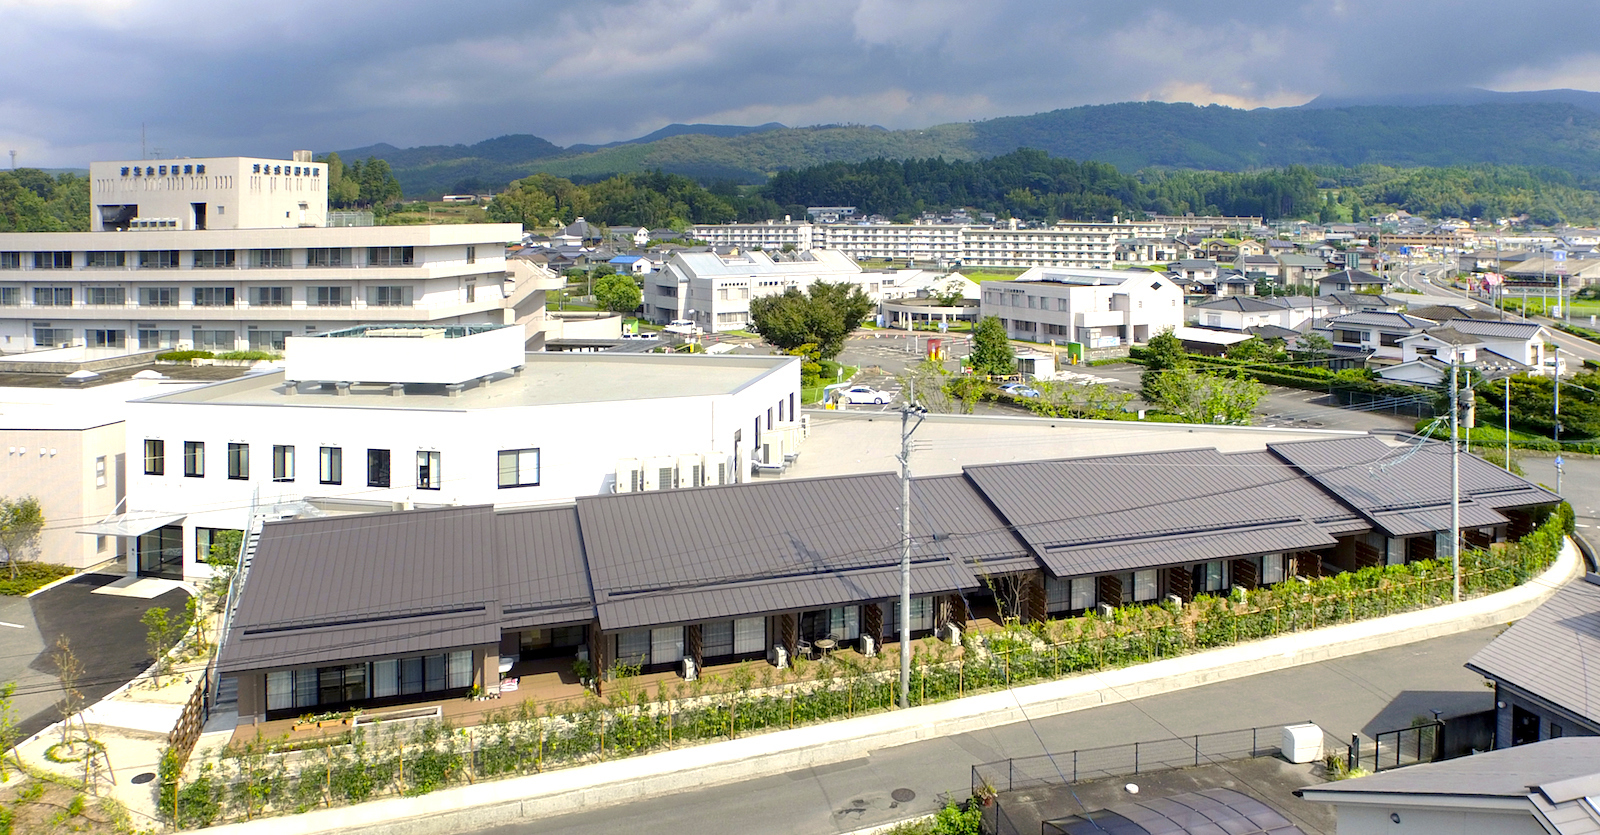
<point>377,468</point>
<point>155,456</point>
<point>519,468</point>
<point>194,459</point>
<point>282,462</point>
<point>238,461</point>
<point>330,465</point>
<point>428,473</point>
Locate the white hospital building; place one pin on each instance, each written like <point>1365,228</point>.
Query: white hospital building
<point>235,253</point>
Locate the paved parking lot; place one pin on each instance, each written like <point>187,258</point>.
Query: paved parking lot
<point>104,631</point>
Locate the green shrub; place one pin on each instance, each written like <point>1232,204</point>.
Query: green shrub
<point>32,576</point>
<point>247,355</point>
<point>185,356</point>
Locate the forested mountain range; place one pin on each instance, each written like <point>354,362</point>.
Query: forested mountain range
<point>1558,129</point>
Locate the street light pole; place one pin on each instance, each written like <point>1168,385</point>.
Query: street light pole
<point>906,428</point>
<point>1455,480</point>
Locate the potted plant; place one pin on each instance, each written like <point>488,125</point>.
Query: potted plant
<point>583,671</point>
<point>985,793</point>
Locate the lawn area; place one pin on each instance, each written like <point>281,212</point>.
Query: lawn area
<point>30,576</point>
<point>991,274</point>
<point>813,394</point>
<point>412,214</point>
<point>1583,308</point>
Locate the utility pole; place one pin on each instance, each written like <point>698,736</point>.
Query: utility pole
<point>1455,479</point>
<point>1508,422</point>
<point>906,428</point>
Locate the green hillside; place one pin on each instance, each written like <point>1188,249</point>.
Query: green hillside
<point>1131,136</point>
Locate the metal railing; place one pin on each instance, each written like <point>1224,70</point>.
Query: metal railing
<point>989,780</point>
<point>1397,748</point>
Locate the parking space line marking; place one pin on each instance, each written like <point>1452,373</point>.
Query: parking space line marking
<point>12,625</point>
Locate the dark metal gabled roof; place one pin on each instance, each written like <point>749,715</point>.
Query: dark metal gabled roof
<point>1546,653</point>
<point>772,546</point>
<point>329,589</point>
<point>1079,514</point>
<point>1406,491</point>
<point>544,578</point>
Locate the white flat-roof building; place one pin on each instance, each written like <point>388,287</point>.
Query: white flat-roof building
<point>714,291</point>
<point>211,193</point>
<point>233,254</point>
<point>1098,308</point>
<point>67,448</point>
<point>384,417</point>
<point>1066,244</point>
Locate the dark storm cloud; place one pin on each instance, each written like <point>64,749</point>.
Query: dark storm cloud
<point>230,78</point>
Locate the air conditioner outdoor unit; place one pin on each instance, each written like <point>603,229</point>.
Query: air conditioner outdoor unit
<point>771,453</point>
<point>691,471</point>
<point>719,469</point>
<point>629,476</point>
<point>660,473</point>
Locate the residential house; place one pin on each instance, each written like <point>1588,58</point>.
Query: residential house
<point>685,580</point>
<point>1296,269</point>
<point>375,418</point>
<point>1366,302</point>
<point>1237,313</point>
<point>1544,789</point>
<point>636,236</point>
<point>1190,269</point>
<point>1248,248</point>
<point>1231,283</point>
<point>1370,335</point>
<point>1256,267</point>
<point>1097,308</point>
<point>1426,357</point>
<point>1351,281</point>
<point>714,291</point>
<point>632,264</point>
<point>1539,668</point>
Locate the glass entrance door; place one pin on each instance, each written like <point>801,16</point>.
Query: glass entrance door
<point>161,553</point>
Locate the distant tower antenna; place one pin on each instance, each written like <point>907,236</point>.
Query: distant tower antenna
<point>142,153</point>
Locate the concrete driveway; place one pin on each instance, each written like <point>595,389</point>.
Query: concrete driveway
<point>104,631</point>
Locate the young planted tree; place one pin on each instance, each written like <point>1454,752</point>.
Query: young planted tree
<point>991,349</point>
<point>162,634</point>
<point>69,671</point>
<point>21,521</point>
<point>1164,352</point>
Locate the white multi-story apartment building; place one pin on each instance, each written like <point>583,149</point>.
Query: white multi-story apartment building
<point>233,254</point>
<point>1097,308</point>
<point>377,418</point>
<point>1073,245</point>
<point>714,291</point>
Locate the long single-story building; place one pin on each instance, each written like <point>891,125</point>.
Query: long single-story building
<point>387,608</point>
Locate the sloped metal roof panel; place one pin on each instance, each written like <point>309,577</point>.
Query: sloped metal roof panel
<point>1539,654</point>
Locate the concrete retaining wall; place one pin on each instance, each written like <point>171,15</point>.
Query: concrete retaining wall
<point>653,775</point>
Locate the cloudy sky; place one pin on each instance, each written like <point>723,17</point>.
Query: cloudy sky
<point>219,77</point>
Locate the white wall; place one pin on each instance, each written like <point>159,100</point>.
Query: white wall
<point>236,192</point>
<point>1375,820</point>
<point>579,445</point>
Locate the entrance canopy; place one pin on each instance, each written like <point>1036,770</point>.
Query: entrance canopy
<point>132,524</point>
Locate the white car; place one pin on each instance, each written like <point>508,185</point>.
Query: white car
<point>856,395</point>
<point>683,326</point>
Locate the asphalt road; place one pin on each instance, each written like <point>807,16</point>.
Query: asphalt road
<point>103,630</point>
<point>1367,693</point>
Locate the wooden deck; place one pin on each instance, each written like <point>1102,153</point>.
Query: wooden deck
<point>550,684</point>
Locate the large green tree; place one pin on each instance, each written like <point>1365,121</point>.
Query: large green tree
<point>1202,397</point>
<point>618,293</point>
<point>991,349</point>
<point>524,203</point>
<point>822,317</point>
